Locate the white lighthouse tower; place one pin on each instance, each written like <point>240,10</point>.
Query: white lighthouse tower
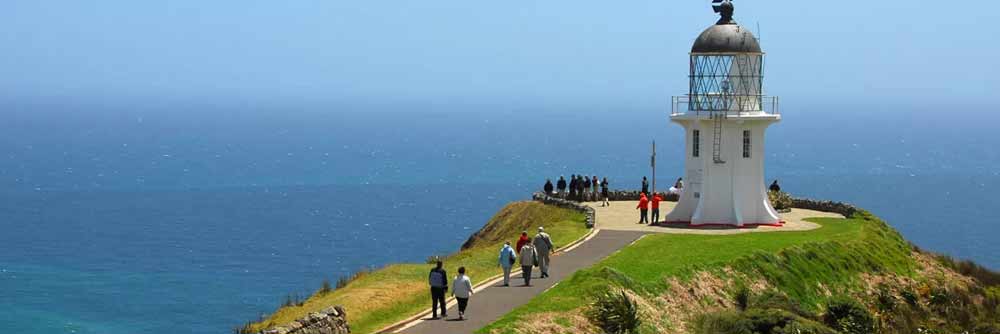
<point>724,116</point>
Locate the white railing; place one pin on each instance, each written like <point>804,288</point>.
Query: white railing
<point>747,106</point>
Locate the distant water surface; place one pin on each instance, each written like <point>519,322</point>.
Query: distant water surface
<point>141,220</point>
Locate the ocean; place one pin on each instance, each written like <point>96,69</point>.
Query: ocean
<point>196,218</point>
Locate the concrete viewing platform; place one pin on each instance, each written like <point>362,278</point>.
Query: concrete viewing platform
<point>623,216</point>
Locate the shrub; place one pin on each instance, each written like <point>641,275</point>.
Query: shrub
<point>780,200</point>
<point>848,316</point>
<point>772,299</point>
<point>325,288</point>
<point>615,313</point>
<point>757,321</point>
<point>741,297</point>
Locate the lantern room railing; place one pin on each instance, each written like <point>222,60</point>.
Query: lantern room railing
<point>742,106</point>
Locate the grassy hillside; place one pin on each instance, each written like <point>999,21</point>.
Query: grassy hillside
<point>382,297</point>
<point>790,282</point>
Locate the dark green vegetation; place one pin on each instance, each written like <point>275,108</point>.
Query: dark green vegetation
<point>780,200</point>
<point>854,275</point>
<point>375,299</point>
<point>615,313</point>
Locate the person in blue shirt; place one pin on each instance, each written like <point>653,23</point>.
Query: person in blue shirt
<point>507,258</point>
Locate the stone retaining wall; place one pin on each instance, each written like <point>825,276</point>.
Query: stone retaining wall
<point>332,320</point>
<point>622,195</point>
<point>845,209</point>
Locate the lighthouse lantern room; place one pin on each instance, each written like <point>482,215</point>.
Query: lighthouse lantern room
<point>724,116</point>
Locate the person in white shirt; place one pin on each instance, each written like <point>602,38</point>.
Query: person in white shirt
<point>462,290</point>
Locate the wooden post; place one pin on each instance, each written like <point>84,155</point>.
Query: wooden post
<point>652,164</point>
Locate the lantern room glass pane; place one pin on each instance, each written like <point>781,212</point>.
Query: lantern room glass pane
<point>726,82</point>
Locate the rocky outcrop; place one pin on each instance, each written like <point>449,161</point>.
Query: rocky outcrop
<point>332,320</point>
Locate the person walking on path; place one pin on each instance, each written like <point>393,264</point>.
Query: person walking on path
<point>543,246</point>
<point>548,187</point>
<point>462,290</point>
<point>438,280</point>
<point>645,186</point>
<point>774,186</point>
<point>521,241</point>
<point>561,185</point>
<point>529,258</point>
<point>656,207</point>
<point>506,261</point>
<point>643,209</point>
<point>604,192</point>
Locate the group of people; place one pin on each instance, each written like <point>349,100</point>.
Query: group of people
<point>646,203</point>
<point>582,188</point>
<point>529,252</point>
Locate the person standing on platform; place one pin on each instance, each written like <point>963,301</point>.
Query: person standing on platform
<point>572,190</point>
<point>774,186</point>
<point>656,207</point>
<point>529,259</point>
<point>586,188</point>
<point>438,280</point>
<point>643,209</point>
<point>604,192</point>
<point>462,290</point>
<point>579,189</point>
<point>548,187</point>
<point>543,246</point>
<point>593,189</point>
<point>507,258</point>
<point>561,185</point>
<point>645,186</point>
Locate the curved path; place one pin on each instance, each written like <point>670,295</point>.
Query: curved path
<point>616,228</point>
<point>492,302</point>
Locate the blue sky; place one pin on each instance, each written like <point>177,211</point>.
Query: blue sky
<point>565,52</point>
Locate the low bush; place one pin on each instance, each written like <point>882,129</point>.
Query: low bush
<point>848,316</point>
<point>615,313</point>
<point>780,200</point>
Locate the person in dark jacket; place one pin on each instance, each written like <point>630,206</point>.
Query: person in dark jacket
<point>548,187</point>
<point>438,279</point>
<point>645,186</point>
<point>604,192</point>
<point>561,185</point>
<point>586,187</point>
<point>774,186</point>
<point>579,188</point>
<point>572,192</point>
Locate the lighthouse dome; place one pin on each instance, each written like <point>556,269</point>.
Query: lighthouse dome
<point>727,37</point>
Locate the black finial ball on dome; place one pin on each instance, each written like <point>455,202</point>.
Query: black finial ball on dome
<point>726,10</point>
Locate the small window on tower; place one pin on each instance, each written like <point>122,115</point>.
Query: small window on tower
<point>695,143</point>
<point>746,143</point>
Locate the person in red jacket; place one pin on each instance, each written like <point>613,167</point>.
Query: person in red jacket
<point>643,209</point>
<point>523,240</point>
<point>656,207</point>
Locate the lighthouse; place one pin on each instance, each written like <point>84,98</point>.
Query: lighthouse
<point>724,116</point>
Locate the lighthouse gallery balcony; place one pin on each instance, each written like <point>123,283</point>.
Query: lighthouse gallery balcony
<point>730,106</point>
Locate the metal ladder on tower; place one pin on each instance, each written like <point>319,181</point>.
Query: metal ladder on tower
<point>717,117</point>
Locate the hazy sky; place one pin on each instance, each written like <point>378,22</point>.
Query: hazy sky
<point>553,51</point>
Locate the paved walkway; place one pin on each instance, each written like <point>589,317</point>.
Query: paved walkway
<point>622,216</point>
<point>490,303</point>
<point>617,228</point>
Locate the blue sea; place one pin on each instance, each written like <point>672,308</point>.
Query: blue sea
<point>195,218</point>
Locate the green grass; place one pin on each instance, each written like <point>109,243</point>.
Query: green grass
<point>793,261</point>
<point>382,297</point>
